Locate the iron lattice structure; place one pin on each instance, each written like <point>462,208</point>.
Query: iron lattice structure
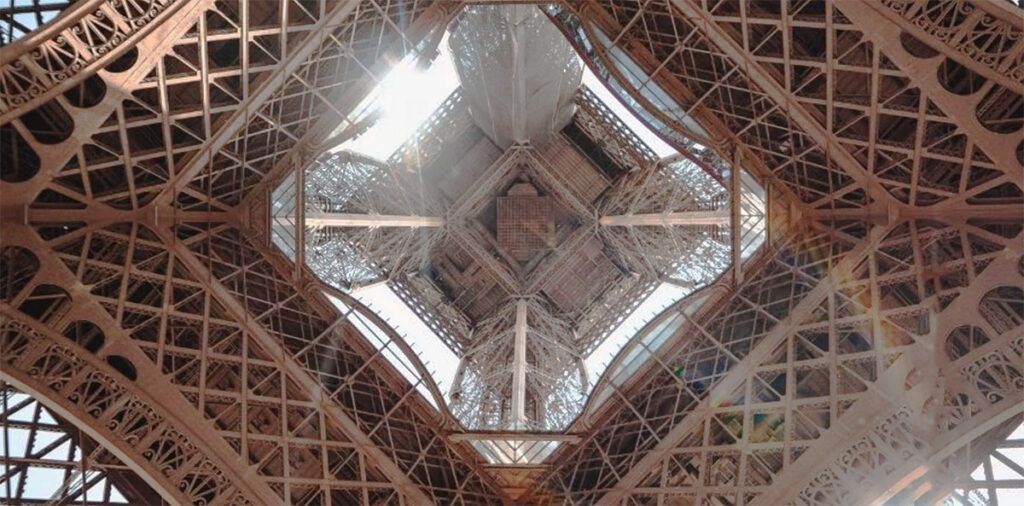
<point>879,332</point>
<point>350,256</point>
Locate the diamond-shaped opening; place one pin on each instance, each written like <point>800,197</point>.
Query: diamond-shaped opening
<point>444,204</point>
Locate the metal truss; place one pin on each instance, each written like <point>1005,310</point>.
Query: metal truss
<point>872,354</point>
<point>607,130</point>
<point>366,394</point>
<point>162,437</point>
<point>959,383</point>
<point>669,221</point>
<point>364,223</point>
<point>733,75</point>
<point>216,359</point>
<point>985,453</point>
<point>502,388</point>
<point>38,441</point>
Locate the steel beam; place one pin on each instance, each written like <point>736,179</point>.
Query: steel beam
<point>151,383</point>
<point>914,19</point>
<point>225,132</point>
<point>800,115</point>
<point>736,219</point>
<point>158,40</point>
<point>371,220</point>
<point>739,373</point>
<point>294,370</point>
<point>885,33</point>
<point>519,366</point>
<point>682,218</point>
<point>923,372</point>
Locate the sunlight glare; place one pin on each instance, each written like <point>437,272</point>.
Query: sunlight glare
<point>405,98</point>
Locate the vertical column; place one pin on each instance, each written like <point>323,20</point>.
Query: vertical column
<point>735,202</point>
<point>519,367</point>
<point>300,220</point>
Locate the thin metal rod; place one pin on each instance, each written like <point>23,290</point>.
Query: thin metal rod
<point>717,217</point>
<point>519,366</point>
<point>371,220</point>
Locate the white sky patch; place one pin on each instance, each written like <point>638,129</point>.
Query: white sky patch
<point>435,355</point>
<point>405,98</point>
<point>41,482</point>
<point>662,297</point>
<point>438,359</point>
<point>660,147</point>
<point>1000,472</point>
<point>28,19</point>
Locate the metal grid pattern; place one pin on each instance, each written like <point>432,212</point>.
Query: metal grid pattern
<point>525,225</point>
<point>883,327</point>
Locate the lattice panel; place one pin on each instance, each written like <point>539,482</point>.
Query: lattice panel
<point>385,408</point>
<point>213,362</point>
<point>648,412</point>
<point>525,225</point>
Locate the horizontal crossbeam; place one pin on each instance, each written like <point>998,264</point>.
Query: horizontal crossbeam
<point>718,217</point>
<point>371,220</point>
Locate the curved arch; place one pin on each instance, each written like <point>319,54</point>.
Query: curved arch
<point>947,452</point>
<point>664,321</point>
<point>407,350</point>
<point>86,334</point>
<point>44,64</point>
<point>672,130</point>
<point>46,302</point>
<point>963,339</point>
<point>88,393</point>
<point>41,390</point>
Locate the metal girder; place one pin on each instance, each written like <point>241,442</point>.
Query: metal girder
<point>383,402</point>
<point>873,338</point>
<point>928,278</point>
<point>802,117</point>
<point>660,66</point>
<point>885,33</point>
<point>294,371</point>
<point>152,38</point>
<point>226,130</point>
<point>519,365</point>
<point>736,217</point>
<point>982,36</point>
<point>188,336</point>
<point>919,154</point>
<point>370,220</point>
<point>672,219</point>
<point>925,373</point>
<point>56,57</point>
<point>151,386</point>
<point>316,140</point>
<point>741,371</point>
<point>35,385</point>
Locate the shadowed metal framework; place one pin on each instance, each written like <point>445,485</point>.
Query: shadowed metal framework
<point>870,352</point>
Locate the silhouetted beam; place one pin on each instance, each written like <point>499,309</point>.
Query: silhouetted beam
<point>719,217</point>
<point>32,9</point>
<point>371,220</point>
